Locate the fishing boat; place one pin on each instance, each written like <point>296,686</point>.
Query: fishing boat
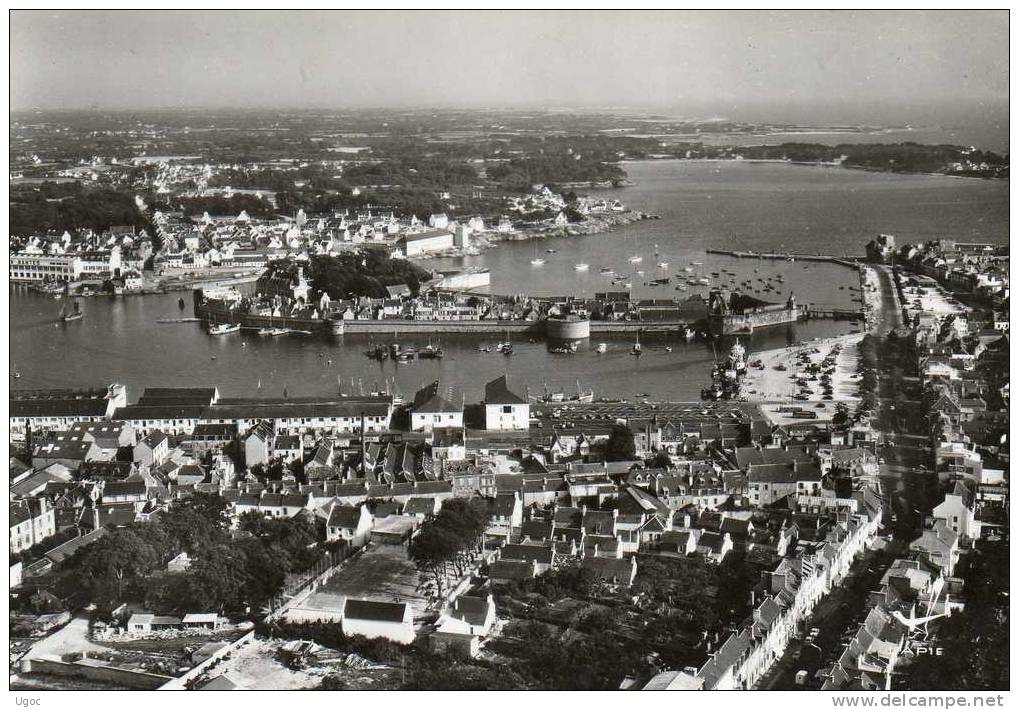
<point>378,352</point>
<point>702,282</point>
<point>688,269</point>
<point>601,349</point>
<point>580,267</point>
<point>636,259</point>
<point>556,396</point>
<point>74,315</point>
<point>431,352</point>
<point>663,264</point>
<point>224,328</point>
<point>272,332</point>
<point>607,270</point>
<point>550,251</point>
<point>585,397</point>
<point>507,349</point>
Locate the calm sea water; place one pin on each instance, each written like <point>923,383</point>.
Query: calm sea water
<point>727,205</point>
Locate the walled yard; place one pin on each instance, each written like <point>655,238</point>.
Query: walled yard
<point>381,573</point>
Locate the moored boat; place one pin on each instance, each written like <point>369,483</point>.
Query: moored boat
<point>224,328</point>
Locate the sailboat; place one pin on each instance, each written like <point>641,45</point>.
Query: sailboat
<point>15,374</point>
<point>636,345</point>
<point>537,260</point>
<point>636,258</point>
<point>601,349</point>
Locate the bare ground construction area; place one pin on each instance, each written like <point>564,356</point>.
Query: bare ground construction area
<point>257,666</point>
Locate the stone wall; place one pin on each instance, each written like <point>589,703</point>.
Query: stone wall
<point>105,674</point>
<point>734,323</point>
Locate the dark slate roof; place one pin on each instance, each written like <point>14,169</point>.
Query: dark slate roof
<point>536,529</point>
<point>542,554</point>
<point>511,569</point>
<point>497,392</point>
<point>177,395</point>
<point>135,412</point>
<point>473,610</point>
<point>295,408</point>
<point>155,439</point>
<point>344,516</point>
<point>428,399</point>
<point>58,407</point>
<point>374,611</point>
<point>504,504</point>
<point>419,506</point>
<point>125,488</point>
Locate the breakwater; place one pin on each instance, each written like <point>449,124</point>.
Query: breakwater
<point>850,261</point>
<point>215,311</point>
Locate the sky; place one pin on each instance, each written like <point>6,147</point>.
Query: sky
<point>693,62</point>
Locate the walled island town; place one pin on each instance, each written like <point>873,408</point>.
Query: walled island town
<point>506,399</point>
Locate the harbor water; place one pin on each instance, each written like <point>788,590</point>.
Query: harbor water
<point>702,205</point>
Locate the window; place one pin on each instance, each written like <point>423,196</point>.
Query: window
<point>508,409</point>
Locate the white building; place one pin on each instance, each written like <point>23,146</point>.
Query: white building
<point>959,513</point>
<point>375,619</point>
<point>431,410</point>
<point>505,410</point>
<point>39,267</point>
<point>425,242</point>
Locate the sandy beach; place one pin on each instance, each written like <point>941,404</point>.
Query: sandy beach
<point>799,373</point>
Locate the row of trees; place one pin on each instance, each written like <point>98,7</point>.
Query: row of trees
<point>447,545</point>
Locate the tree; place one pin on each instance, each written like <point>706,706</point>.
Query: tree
<point>620,446</point>
<point>197,522</point>
<point>453,538</point>
<point>661,459</point>
<point>432,549</point>
<point>840,419</point>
